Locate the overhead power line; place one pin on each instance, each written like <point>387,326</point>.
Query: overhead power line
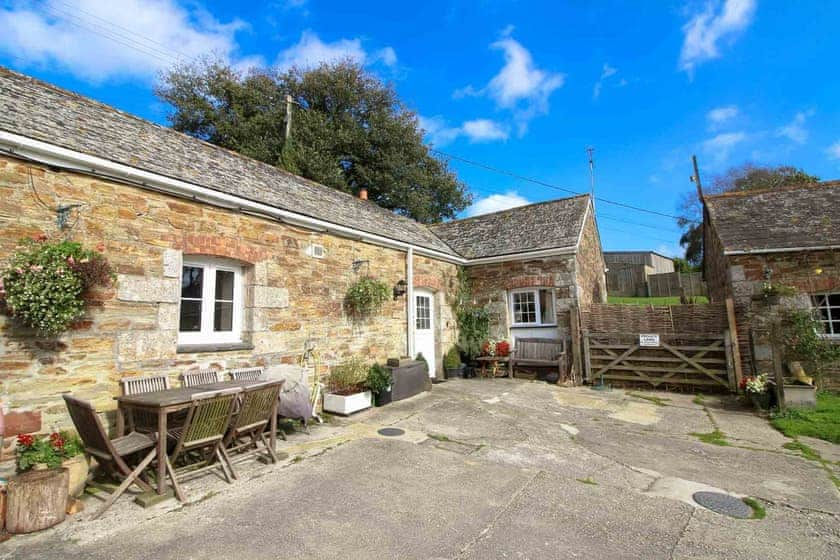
<point>556,187</point>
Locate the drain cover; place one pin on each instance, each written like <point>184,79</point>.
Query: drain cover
<point>390,432</point>
<point>723,504</point>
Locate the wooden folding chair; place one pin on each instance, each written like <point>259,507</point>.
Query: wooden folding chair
<point>112,453</point>
<point>258,403</point>
<point>246,374</point>
<point>141,420</point>
<point>200,377</point>
<point>208,420</point>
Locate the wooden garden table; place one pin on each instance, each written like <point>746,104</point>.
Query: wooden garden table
<point>493,361</point>
<point>164,403</point>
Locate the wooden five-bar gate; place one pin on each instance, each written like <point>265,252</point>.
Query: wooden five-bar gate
<point>670,361</point>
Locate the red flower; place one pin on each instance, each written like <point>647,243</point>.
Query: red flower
<point>100,247</point>
<point>25,440</point>
<point>502,348</point>
<point>56,440</point>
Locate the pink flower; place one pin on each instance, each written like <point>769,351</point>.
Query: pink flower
<point>19,270</point>
<point>100,247</point>
<point>36,268</point>
<point>70,260</point>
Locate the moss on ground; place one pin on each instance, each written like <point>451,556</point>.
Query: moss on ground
<point>658,401</point>
<point>758,510</point>
<point>587,480</point>
<point>715,437</point>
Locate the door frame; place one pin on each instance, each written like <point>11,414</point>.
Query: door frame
<point>430,359</point>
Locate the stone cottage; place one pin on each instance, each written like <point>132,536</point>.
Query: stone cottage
<point>224,261</point>
<point>788,237</point>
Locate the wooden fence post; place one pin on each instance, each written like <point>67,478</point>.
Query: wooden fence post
<point>587,364</point>
<point>733,333</point>
<point>577,365</point>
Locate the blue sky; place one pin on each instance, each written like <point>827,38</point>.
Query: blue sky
<point>522,86</point>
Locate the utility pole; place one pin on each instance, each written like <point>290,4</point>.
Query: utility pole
<point>591,150</point>
<point>288,118</point>
<point>696,178</point>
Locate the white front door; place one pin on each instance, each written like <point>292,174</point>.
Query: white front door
<point>424,327</point>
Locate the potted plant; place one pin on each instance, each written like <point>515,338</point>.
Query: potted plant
<point>59,449</point>
<point>45,283</point>
<point>757,389</point>
<point>346,391</point>
<point>366,296</point>
<point>379,380</point>
<point>452,363</point>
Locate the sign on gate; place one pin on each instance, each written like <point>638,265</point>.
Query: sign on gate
<point>649,340</point>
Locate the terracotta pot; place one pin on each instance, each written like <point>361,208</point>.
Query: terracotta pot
<point>78,469</point>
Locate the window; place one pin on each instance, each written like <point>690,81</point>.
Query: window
<point>424,312</point>
<point>828,312</point>
<point>533,307</point>
<point>211,302</point>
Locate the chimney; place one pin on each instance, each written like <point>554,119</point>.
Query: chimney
<point>363,193</point>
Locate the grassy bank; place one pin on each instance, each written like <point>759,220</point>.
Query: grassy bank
<point>822,421</point>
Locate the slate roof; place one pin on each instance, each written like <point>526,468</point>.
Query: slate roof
<point>545,225</point>
<point>41,111</point>
<point>791,218</point>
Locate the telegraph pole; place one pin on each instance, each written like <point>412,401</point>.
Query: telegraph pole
<point>696,178</point>
<point>591,150</point>
<point>288,133</point>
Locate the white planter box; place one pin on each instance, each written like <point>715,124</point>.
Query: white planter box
<point>341,404</point>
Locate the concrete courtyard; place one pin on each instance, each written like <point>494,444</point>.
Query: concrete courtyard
<point>491,469</point>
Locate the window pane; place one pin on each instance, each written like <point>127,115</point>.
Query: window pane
<point>835,328</point>
<point>424,313</point>
<point>833,300</point>
<point>547,307</point>
<point>224,285</point>
<point>524,307</point>
<point>190,316</point>
<point>191,282</point>
<point>223,316</point>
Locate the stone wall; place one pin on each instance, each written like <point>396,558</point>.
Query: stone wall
<point>808,272</point>
<point>131,328</point>
<point>490,284</point>
<point>590,266</point>
<point>442,279</point>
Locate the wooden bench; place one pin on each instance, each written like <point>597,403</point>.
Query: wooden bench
<point>539,352</point>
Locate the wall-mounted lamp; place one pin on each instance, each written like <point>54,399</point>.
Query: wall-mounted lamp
<point>400,289</point>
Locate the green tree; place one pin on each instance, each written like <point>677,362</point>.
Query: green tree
<point>349,130</point>
<point>746,177</point>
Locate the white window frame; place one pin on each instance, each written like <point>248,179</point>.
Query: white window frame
<point>208,303</point>
<point>833,312</point>
<point>536,292</point>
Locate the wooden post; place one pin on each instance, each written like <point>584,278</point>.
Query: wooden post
<point>36,500</point>
<point>574,320</point>
<point>587,366</point>
<point>778,371</point>
<point>730,369</point>
<point>733,333</point>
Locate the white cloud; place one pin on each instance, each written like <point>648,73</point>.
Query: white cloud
<point>605,73</point>
<point>99,40</point>
<point>520,86</point>
<point>706,29</point>
<point>719,147</point>
<point>388,56</point>
<point>496,202</point>
<point>440,133</point>
<point>311,51</point>
<point>833,151</point>
<point>721,115</point>
<point>484,130</point>
<point>795,130</point>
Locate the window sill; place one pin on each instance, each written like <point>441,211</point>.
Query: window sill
<point>533,325</point>
<point>213,347</point>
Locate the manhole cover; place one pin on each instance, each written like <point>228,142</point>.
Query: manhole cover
<point>390,432</point>
<point>723,504</point>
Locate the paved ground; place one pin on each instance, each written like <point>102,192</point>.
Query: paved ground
<point>491,469</point>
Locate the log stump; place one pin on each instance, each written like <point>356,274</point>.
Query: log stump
<point>36,500</point>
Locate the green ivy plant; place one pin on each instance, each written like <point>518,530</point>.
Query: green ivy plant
<point>44,283</point>
<point>452,359</point>
<point>366,296</point>
<point>473,321</point>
